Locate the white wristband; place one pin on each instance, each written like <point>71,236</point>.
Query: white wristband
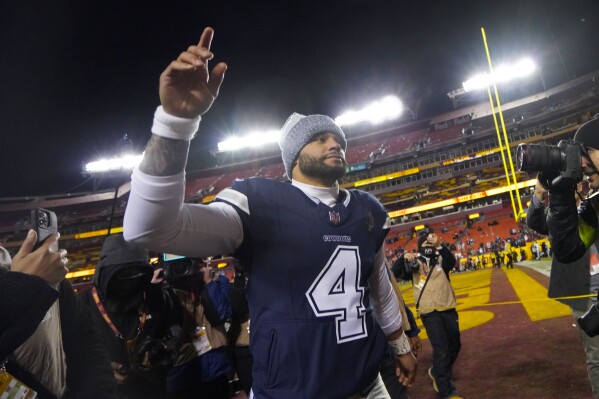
<point>401,345</point>
<point>174,127</point>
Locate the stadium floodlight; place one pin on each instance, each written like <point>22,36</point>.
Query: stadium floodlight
<point>385,109</point>
<point>504,73</point>
<point>125,162</point>
<point>251,140</point>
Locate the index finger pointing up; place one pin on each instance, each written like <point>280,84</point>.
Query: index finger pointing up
<point>206,38</point>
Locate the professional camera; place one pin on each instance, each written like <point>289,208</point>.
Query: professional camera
<point>411,265</point>
<point>162,352</point>
<point>179,268</point>
<point>402,268</point>
<point>563,161</point>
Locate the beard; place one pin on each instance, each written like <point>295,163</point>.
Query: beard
<point>316,167</point>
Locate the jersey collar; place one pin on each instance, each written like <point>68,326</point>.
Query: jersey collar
<point>325,195</point>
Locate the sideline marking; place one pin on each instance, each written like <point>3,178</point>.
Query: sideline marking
<point>534,297</point>
<point>473,290</point>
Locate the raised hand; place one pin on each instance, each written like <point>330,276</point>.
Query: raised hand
<point>43,262</point>
<point>187,86</point>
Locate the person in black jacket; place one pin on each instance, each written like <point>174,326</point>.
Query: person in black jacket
<point>140,324</point>
<point>47,337</point>
<point>570,283</point>
<point>572,231</point>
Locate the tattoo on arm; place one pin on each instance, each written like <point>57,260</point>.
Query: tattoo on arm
<point>164,157</point>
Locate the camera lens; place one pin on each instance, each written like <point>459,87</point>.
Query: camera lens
<point>43,219</point>
<point>539,157</point>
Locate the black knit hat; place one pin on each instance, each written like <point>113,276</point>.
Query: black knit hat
<point>588,134</point>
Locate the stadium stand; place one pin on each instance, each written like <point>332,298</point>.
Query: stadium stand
<point>426,172</point>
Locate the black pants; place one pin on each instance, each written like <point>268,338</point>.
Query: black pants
<point>215,389</point>
<point>443,331</point>
<point>242,362</point>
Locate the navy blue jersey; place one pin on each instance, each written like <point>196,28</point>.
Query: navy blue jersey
<point>313,332</point>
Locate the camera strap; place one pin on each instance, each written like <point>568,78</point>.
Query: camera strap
<point>113,327</point>
<point>428,276</point>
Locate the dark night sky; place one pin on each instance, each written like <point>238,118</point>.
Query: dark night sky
<point>76,75</point>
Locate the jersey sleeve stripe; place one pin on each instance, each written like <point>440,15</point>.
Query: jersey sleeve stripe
<point>235,198</point>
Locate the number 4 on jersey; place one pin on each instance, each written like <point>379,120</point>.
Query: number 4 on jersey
<point>337,292</point>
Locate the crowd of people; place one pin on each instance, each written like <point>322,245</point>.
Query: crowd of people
<point>327,317</point>
<point>522,245</point>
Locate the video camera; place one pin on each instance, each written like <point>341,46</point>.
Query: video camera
<point>562,161</point>
<point>178,268</point>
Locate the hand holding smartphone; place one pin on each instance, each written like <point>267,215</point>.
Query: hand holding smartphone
<point>45,223</point>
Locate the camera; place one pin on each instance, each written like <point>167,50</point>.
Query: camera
<point>179,268</point>
<point>411,265</point>
<point>402,268</point>
<point>564,158</point>
<point>162,352</point>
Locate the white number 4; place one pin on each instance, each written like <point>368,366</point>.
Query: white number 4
<point>337,292</point>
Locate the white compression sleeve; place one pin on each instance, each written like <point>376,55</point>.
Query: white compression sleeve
<point>382,296</point>
<point>157,219</point>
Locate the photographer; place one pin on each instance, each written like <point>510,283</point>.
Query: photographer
<point>435,303</point>
<point>203,367</point>
<point>139,322</point>
<point>570,280</point>
<point>572,232</point>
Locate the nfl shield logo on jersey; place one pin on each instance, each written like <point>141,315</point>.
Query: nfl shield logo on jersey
<point>334,217</point>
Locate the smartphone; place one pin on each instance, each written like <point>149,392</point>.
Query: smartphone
<point>45,223</point>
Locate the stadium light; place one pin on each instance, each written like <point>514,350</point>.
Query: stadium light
<point>503,73</point>
<point>251,140</point>
<point>125,162</point>
<point>385,109</point>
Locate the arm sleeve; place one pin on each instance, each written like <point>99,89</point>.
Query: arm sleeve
<point>571,232</point>
<point>157,218</point>
<point>536,216</point>
<point>448,259</point>
<point>24,301</point>
<point>382,297</point>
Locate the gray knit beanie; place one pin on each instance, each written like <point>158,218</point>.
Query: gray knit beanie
<point>588,134</point>
<point>297,132</point>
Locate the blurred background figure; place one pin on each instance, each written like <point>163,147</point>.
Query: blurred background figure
<point>139,322</point>
<point>203,368</point>
<point>239,331</point>
<point>47,337</point>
